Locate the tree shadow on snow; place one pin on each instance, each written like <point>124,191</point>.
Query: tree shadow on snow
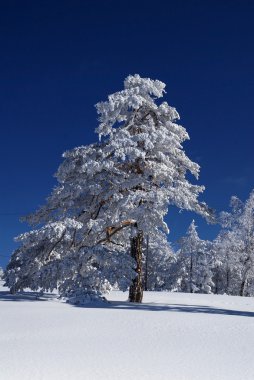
<point>182,308</point>
<point>25,296</point>
<point>125,305</point>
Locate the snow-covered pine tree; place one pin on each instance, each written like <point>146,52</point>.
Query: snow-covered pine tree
<point>225,264</point>
<point>158,258</point>
<point>193,267</point>
<point>238,243</point>
<point>110,195</point>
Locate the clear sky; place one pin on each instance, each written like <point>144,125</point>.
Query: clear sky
<point>58,58</point>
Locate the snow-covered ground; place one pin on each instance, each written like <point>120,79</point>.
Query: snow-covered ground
<point>170,336</point>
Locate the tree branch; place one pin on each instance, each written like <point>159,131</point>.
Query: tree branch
<point>54,246</point>
<point>111,231</point>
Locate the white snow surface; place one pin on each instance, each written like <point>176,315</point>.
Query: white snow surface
<point>171,336</point>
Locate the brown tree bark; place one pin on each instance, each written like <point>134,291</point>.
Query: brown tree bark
<point>242,288</point>
<point>245,276</point>
<point>146,264</point>
<point>136,288</point>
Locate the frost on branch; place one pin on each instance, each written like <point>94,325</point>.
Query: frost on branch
<point>105,191</point>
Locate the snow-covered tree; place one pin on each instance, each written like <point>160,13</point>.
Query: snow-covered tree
<point>225,264</point>
<point>192,270</point>
<point>238,246</point>
<point>109,196</point>
<point>158,258</point>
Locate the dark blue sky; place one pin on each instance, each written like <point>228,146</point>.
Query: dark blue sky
<point>58,58</point>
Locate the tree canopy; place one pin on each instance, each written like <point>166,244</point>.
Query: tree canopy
<point>89,235</point>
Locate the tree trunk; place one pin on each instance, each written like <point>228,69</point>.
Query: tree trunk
<point>227,283</point>
<point>242,288</point>
<point>216,283</point>
<point>245,276</point>
<point>136,288</point>
<point>191,273</point>
<point>146,266</point>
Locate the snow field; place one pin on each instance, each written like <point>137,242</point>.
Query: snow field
<point>170,336</point>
